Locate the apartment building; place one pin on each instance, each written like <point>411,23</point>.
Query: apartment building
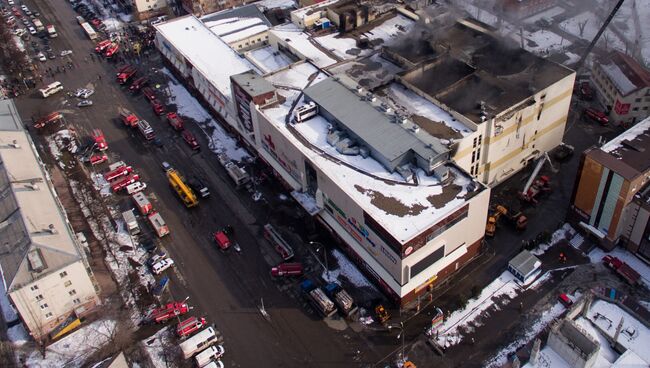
<point>623,87</point>
<point>609,199</point>
<point>45,271</point>
<point>145,9</point>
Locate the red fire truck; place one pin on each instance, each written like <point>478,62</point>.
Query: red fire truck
<point>189,326</point>
<point>100,141</point>
<point>143,204</point>
<point>168,311</point>
<point>128,118</point>
<point>51,118</point>
<point>175,121</point>
<point>190,139</point>
<point>119,172</point>
<point>158,224</point>
<point>102,45</point>
<point>112,49</point>
<point>126,75</point>
<point>122,183</point>
<point>158,107</point>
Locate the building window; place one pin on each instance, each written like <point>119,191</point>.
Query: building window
<point>473,156</point>
<point>44,306</point>
<point>48,315</point>
<point>33,287</point>
<point>63,274</point>
<point>76,301</point>
<point>39,297</point>
<point>67,283</point>
<point>72,292</point>
<point>427,261</point>
<point>475,141</point>
<point>645,107</point>
<point>638,99</point>
<point>635,109</point>
<point>448,222</point>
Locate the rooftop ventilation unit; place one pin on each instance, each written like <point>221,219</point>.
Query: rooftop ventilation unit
<point>371,97</point>
<point>52,229</point>
<point>405,171</point>
<point>32,186</point>
<point>35,260</point>
<point>15,144</point>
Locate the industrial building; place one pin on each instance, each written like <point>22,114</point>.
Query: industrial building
<point>45,271</point>
<point>611,188</point>
<point>623,87</point>
<point>391,148</point>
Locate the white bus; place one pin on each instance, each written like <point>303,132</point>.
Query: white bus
<point>51,89</point>
<point>90,32</point>
<point>199,342</point>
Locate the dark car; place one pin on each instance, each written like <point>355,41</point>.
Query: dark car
<point>50,55</point>
<point>148,244</point>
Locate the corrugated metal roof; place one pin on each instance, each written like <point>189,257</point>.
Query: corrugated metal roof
<point>525,262</point>
<point>376,128</point>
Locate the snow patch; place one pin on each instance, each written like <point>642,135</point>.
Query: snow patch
<point>347,270</point>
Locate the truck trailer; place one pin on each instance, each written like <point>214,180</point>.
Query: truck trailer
<point>318,299</point>
<point>342,299</point>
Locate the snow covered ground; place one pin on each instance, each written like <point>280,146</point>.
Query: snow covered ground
<point>347,270</point>
<point>451,331</point>
<point>160,349</point>
<point>543,42</point>
<point>593,23</point>
<point>74,349</point>
<point>273,4</point>
<point>220,141</point>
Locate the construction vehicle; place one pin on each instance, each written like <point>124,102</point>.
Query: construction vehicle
<point>167,312</point>
<point>517,219</point>
<point>623,269</point>
<point>175,121</point>
<point>184,192</point>
<point>535,186</point>
<point>318,299</point>
<point>51,118</point>
<point>342,299</point>
<point>491,226</point>
<point>128,118</point>
<point>381,314</point>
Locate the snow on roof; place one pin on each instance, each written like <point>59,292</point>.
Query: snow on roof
<point>635,335</point>
<point>390,29</point>
<point>620,80</point>
<point>273,4</point>
<point>307,10</point>
<point>629,135</point>
<point>268,59</point>
<point>299,41</point>
<point>403,209</point>
<point>204,49</point>
<point>412,103</point>
<point>341,46</point>
<point>237,29</point>
<point>296,76</point>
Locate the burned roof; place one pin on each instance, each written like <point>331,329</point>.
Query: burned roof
<point>471,65</point>
<point>628,153</point>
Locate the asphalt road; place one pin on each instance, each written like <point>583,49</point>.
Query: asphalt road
<point>225,287</point>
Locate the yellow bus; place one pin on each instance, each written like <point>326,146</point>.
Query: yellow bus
<point>184,192</point>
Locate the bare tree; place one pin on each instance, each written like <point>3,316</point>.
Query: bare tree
<point>581,26</point>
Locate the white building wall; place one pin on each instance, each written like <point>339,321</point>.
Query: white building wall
<point>251,42</point>
<point>46,302</point>
<point>511,141</point>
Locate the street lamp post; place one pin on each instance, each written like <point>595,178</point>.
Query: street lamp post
<point>319,246</point>
<point>401,335</point>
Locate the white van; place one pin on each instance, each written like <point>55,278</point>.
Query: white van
<point>138,186</point>
<point>51,89</point>
<point>208,355</point>
<point>160,266</point>
<point>199,342</point>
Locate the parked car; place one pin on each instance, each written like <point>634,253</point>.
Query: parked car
<point>222,240</point>
<point>32,30</point>
<point>160,266</point>
<point>166,166</point>
<point>50,54</point>
<point>41,56</point>
<point>84,93</point>
<point>157,257</point>
<point>565,300</point>
<point>84,103</point>
<point>66,52</point>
